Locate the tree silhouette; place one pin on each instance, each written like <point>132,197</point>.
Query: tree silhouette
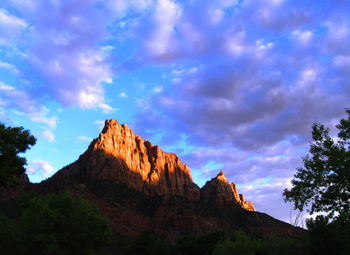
<point>57,224</point>
<point>324,181</point>
<point>13,140</point>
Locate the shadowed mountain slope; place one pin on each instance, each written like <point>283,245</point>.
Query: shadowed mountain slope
<point>141,188</point>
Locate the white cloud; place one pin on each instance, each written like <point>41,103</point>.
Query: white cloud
<point>304,38</point>
<point>9,67</point>
<point>17,98</point>
<point>342,62</point>
<point>10,27</point>
<point>41,117</point>
<point>5,87</point>
<point>84,138</point>
<point>48,135</point>
<point>307,77</point>
<point>162,44</point>
<point>7,19</point>
<point>235,44</point>
<point>157,89</point>
<point>121,7</point>
<point>64,50</point>
<point>20,101</point>
<point>99,123</point>
<point>216,15</point>
<point>40,168</point>
<point>106,108</point>
<point>263,48</point>
<point>123,95</point>
<point>89,98</point>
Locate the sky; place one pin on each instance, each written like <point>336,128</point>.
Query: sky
<point>231,85</point>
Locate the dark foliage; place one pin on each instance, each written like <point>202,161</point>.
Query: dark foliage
<point>218,243</point>
<point>241,243</point>
<point>325,237</point>
<point>150,244</point>
<point>13,140</point>
<point>324,181</point>
<point>53,224</point>
<point>200,244</point>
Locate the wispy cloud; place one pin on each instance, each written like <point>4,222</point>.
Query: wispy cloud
<point>123,95</point>
<point>99,123</point>
<point>47,134</point>
<point>84,138</point>
<point>40,168</point>
<point>10,27</point>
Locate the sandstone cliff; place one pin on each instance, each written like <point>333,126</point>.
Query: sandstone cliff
<point>141,188</point>
<point>219,191</point>
<point>121,156</point>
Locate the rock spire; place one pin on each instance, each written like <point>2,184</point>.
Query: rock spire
<point>219,191</point>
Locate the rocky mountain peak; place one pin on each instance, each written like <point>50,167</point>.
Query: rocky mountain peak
<point>219,191</point>
<point>139,187</point>
<point>121,156</point>
<point>221,177</point>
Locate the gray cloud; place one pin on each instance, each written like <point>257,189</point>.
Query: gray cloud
<point>267,71</point>
<point>60,47</point>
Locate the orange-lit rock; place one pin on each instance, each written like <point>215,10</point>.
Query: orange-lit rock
<point>219,191</point>
<point>139,187</point>
<point>119,155</point>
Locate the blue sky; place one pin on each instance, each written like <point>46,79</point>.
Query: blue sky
<point>229,85</point>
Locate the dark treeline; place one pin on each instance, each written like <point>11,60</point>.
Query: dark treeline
<point>62,224</point>
<point>53,224</point>
<point>321,239</point>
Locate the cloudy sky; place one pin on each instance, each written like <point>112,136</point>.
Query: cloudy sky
<point>229,85</point>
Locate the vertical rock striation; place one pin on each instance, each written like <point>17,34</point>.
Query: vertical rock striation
<point>141,165</point>
<point>121,156</point>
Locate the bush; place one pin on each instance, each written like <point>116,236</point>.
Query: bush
<point>150,244</point>
<point>240,244</point>
<point>200,244</point>
<point>328,237</point>
<point>54,224</point>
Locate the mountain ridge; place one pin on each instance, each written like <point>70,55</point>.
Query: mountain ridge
<point>139,187</point>
<point>120,155</point>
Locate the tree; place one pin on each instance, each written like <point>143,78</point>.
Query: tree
<point>240,244</point>
<point>324,181</point>
<point>13,140</point>
<point>53,224</point>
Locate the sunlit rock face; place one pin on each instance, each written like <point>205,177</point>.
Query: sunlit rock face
<point>139,187</point>
<point>219,191</point>
<point>127,158</point>
<point>119,155</point>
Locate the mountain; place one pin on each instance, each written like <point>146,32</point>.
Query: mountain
<point>219,191</point>
<point>141,188</point>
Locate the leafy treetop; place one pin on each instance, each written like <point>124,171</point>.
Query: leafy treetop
<point>324,181</point>
<point>13,140</point>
